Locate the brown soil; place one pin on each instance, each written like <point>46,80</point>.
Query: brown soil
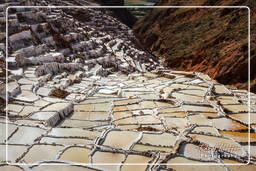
<point>147,128</point>
<point>59,93</point>
<point>212,41</point>
<point>2,67</point>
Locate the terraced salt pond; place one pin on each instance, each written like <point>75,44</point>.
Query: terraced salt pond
<point>105,101</point>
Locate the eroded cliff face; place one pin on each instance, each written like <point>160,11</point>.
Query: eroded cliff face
<point>213,41</point>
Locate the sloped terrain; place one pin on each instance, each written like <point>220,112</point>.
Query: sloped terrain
<point>122,14</point>
<point>139,12</point>
<point>82,95</point>
<point>213,41</point>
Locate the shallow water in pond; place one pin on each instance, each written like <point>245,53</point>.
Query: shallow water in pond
<point>135,159</point>
<point>141,147</point>
<point>66,141</point>
<point>164,139</point>
<point>106,157</point>
<point>76,154</point>
<point>121,139</point>
<point>42,152</point>
<point>20,137</point>
<point>180,160</point>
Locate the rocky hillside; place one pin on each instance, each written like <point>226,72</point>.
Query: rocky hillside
<point>213,41</point>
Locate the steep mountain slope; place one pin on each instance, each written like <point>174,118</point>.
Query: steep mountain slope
<point>213,41</point>
<point>121,14</point>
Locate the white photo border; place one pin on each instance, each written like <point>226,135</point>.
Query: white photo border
<point>147,7</point>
